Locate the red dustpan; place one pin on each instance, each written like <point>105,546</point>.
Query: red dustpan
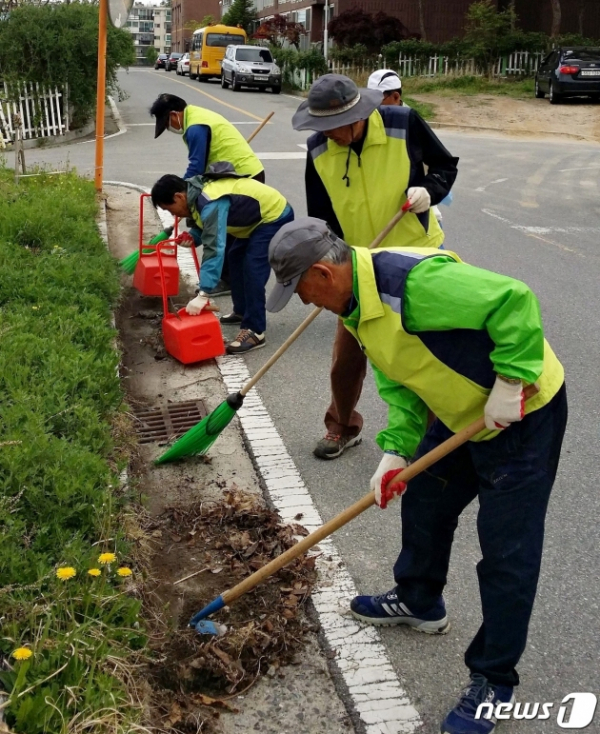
<point>146,276</point>
<point>188,338</point>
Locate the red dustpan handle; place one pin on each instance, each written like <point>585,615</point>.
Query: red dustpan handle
<point>163,284</point>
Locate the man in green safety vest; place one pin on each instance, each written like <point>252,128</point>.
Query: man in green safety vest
<point>209,138</point>
<point>462,342</point>
<point>364,162</point>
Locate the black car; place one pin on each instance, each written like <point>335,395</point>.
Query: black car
<point>171,62</point>
<point>161,61</point>
<point>569,72</point>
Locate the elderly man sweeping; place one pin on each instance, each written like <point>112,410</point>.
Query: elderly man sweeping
<point>461,341</point>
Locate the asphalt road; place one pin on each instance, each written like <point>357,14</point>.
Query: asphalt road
<point>527,208</point>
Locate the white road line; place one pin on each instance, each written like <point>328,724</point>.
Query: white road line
<point>280,156</point>
<point>304,146</point>
<point>542,230</point>
<point>582,168</point>
<point>491,183</point>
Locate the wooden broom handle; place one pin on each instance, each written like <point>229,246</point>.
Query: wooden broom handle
<point>313,315</point>
<point>260,127</point>
<point>411,471</point>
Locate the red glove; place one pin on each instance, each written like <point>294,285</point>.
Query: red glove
<point>387,493</point>
<point>185,239</point>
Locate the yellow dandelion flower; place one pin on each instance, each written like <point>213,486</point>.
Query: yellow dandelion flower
<point>94,572</point>
<point>105,558</point>
<point>65,573</point>
<point>22,653</point>
<point>124,571</point>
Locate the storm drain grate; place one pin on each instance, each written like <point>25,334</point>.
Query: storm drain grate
<point>169,421</point>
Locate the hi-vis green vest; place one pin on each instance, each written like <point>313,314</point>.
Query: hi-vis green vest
<point>226,143</point>
<point>251,203</point>
<point>455,381</point>
<point>377,190</point>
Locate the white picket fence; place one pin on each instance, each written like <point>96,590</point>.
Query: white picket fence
<point>43,111</point>
<point>518,63</point>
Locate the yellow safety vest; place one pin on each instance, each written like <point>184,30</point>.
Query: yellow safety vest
<point>404,358</point>
<point>377,190</point>
<point>226,143</point>
<point>251,204</point>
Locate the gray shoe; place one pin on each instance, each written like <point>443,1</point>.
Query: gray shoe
<point>333,445</point>
<point>221,289</point>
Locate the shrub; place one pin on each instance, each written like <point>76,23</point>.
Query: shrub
<point>57,44</point>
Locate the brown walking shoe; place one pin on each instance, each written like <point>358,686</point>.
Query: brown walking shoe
<point>246,341</point>
<point>333,445</point>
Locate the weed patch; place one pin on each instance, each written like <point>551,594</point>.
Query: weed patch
<point>72,611</point>
<point>453,85</point>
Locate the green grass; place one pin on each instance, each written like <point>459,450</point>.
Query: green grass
<point>60,398</point>
<point>426,110</point>
<point>452,85</point>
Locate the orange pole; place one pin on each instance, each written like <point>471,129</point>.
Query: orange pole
<point>101,94</point>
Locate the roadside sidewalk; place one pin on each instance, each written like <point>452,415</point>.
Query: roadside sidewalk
<point>298,698</point>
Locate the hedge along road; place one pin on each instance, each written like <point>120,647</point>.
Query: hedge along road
<point>528,208</point>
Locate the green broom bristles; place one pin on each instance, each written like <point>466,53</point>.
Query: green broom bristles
<point>129,263</point>
<point>202,436</point>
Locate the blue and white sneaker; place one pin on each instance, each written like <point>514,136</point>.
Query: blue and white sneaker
<point>385,609</point>
<point>461,720</point>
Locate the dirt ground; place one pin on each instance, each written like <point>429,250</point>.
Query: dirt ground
<point>577,118</point>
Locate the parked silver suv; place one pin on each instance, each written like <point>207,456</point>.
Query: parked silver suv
<point>251,66</point>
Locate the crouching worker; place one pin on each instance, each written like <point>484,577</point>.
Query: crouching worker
<point>221,202</point>
<point>463,342</point>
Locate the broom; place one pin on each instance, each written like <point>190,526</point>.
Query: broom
<point>202,436</point>
<point>129,263</point>
<point>411,471</point>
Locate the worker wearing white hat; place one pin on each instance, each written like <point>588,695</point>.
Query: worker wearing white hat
<point>388,82</point>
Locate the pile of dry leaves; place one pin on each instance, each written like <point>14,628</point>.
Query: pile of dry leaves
<point>202,551</point>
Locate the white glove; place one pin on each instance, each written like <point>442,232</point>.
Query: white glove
<point>198,304</point>
<point>505,404</point>
<point>389,463</point>
<point>419,198</point>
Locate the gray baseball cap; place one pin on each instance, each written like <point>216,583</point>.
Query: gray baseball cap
<point>292,251</point>
<point>334,100</point>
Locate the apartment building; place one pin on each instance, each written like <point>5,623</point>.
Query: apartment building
<point>150,26</point>
<point>186,11</point>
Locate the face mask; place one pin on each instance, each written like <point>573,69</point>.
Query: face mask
<point>177,131</point>
<point>174,130</point>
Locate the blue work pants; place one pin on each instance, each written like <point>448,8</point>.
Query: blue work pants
<point>249,272</point>
<point>512,476</point>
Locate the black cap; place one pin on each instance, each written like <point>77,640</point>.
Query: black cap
<point>162,107</point>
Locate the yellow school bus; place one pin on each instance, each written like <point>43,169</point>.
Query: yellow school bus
<point>207,49</point>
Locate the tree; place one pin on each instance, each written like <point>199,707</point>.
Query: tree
<point>151,55</point>
<point>278,29</point>
<point>58,44</point>
<point>242,13</point>
<point>422,21</point>
<point>355,26</point>
<point>556,18</point>
<point>193,25</point>
<point>489,33</point>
